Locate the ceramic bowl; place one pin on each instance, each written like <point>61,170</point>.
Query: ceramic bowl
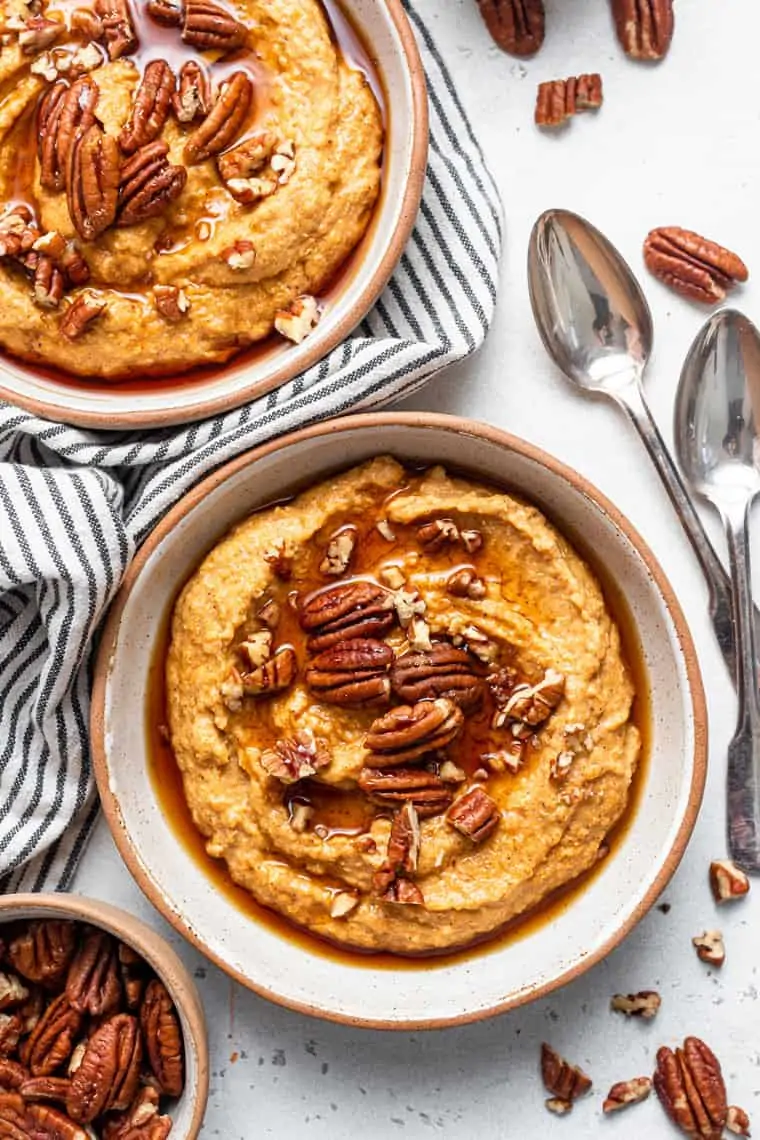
<point>349,990</point>
<point>384,29</point>
<point>188,1111</point>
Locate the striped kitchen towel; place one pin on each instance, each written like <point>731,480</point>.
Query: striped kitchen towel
<point>75,504</point>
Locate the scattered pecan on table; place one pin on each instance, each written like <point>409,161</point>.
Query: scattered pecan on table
<point>690,1085</point>
<point>517,26</point>
<point>564,1082</point>
<point>644,27</point>
<point>559,99</point>
<point>691,265</point>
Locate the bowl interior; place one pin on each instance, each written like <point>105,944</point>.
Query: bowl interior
<point>461,989</point>
<point>187,1112</point>
<point>384,30</point>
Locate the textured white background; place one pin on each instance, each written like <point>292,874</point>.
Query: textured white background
<point>676,144</point>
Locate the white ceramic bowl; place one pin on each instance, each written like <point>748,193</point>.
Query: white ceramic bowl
<point>386,32</point>
<point>510,972</point>
<point>188,1111</point>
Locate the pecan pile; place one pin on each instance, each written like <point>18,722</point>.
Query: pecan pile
<point>440,712</point>
<point>90,1041</point>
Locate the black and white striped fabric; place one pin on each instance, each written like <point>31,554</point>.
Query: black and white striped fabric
<point>75,504</point>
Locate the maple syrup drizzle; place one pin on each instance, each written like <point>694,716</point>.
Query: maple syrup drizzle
<point>337,812</point>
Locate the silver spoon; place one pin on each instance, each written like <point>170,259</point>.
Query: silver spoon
<point>716,432</point>
<point>595,324</point>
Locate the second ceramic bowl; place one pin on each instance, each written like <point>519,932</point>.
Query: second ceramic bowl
<point>539,957</point>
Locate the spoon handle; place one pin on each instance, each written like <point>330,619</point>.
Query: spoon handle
<point>631,398</point>
<point>744,749</point>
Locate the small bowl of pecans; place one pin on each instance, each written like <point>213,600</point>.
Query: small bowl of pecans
<point>102,1033</point>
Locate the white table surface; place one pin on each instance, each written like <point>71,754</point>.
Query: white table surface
<point>676,144</point>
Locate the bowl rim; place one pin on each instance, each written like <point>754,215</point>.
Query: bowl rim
<point>458,425</point>
<point>153,947</point>
<point>55,408</point>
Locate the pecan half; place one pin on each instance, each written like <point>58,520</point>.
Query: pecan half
<point>12,1075</point>
<point>64,112</point>
<point>225,121</point>
<point>409,731</point>
<point>118,29</point>
<point>403,848</point>
<point>273,676</point>
<point>45,1088</point>
<point>644,1004</point>
<point>134,975</point>
<point>347,611</point>
<point>192,99</point>
<point>109,1073</point>
<point>690,1085</point>
<point>559,99</point>
<point>517,26</point>
<point>92,182</point>
<point>727,881</point>
<point>80,315</point>
<point>474,815</point>
<point>441,672</point>
<point>644,27</point>
<point>52,1039</point>
<point>296,757</point>
<point>39,33</point>
<point>426,791</point>
<point>150,110</point>
<point>49,1124</point>
<point>354,672</point>
<point>148,184</point>
<point>13,1118</point>
<point>44,950</point>
<point>625,1093</point>
<point>209,26</point>
<point>562,1080</point>
<point>93,984</point>
<point>692,265</point>
<point>141,1121</point>
<point>163,1038</point>
<point>167,12</point>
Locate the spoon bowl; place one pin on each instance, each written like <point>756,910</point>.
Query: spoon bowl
<point>591,313</point>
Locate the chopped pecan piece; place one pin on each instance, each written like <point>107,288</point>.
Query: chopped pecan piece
<point>74,266</point>
<point>625,1093</point>
<point>12,1075</point>
<point>437,534</point>
<point>409,731</point>
<point>474,815</point>
<point>533,704</point>
<point>563,1080</point>
<point>403,848</point>
<point>727,881</point>
<point>297,322</point>
<point>64,112</point>
<point>148,184</point>
<point>644,27</point>
<point>93,984</point>
<point>465,583</point>
<point>404,892</point>
<point>353,672</point>
<point>39,33</point>
<point>118,29</point>
<point>109,1073</point>
<point>150,110</point>
<point>223,124</point>
<point>167,12</point>
<point>710,947</point>
<point>92,182</point>
<point>338,553</point>
<point>644,1004</point>
<point>18,231</point>
<point>52,1039</point>
<point>442,672</point>
<point>558,1106</point>
<point>172,303</point>
<point>342,904</point>
<point>192,100</point>
<point>559,99</point>
<point>296,757</point>
<point>141,1121</point>
<point>163,1038</point>
<point>42,953</point>
<point>273,676</point>
<point>12,991</point>
<point>517,26</point>
<point>690,1085</point>
<point>737,1121</point>
<point>238,167</point>
<point>208,26</point>
<point>692,265</point>
<point>48,285</point>
<point>346,611</point>
<point>80,315</point>
<point>426,791</point>
<point>13,1118</point>
<point>45,1088</point>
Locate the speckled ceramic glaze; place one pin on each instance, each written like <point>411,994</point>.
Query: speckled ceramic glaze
<point>512,971</point>
<point>187,1114</point>
<point>385,29</point>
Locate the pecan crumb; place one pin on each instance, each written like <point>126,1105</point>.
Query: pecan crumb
<point>645,1004</point>
<point>338,554</point>
<point>625,1093</point>
<point>342,904</point>
<point>737,1121</point>
<point>710,947</point>
<point>558,1106</point>
<point>728,882</point>
<point>297,322</point>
